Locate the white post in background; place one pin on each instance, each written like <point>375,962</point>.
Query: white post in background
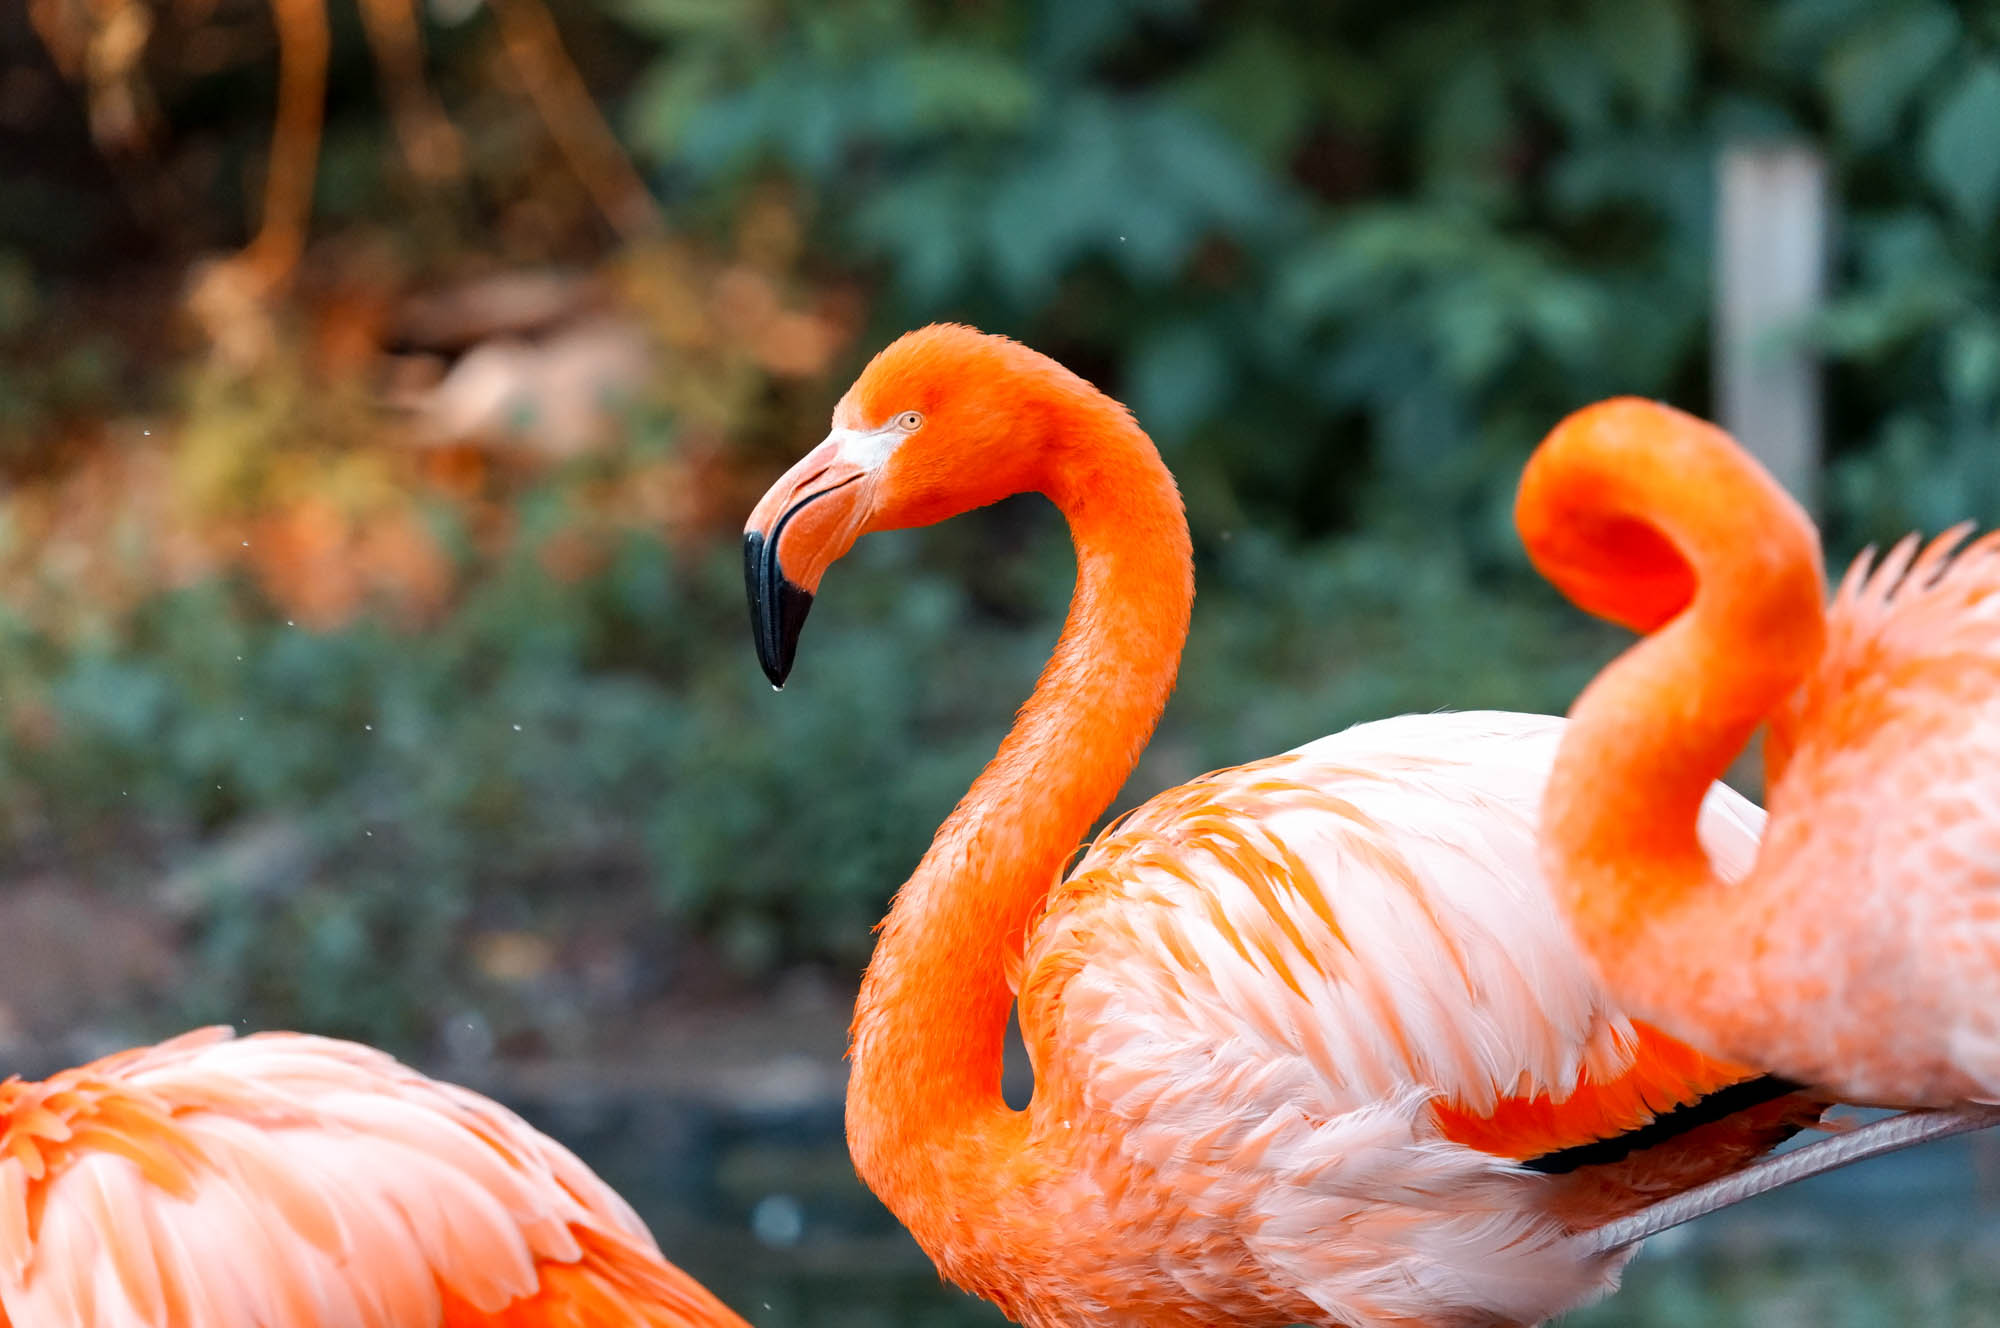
<point>1771,241</point>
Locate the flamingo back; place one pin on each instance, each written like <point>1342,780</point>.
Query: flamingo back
<point>280,1181</point>
<point>1301,1020</point>
<point>1882,865</point>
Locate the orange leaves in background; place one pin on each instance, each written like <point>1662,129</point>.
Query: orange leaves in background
<point>728,325</point>
<point>324,565</point>
<point>378,418</point>
<point>90,544</point>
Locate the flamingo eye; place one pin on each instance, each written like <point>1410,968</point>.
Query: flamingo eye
<point>910,421</point>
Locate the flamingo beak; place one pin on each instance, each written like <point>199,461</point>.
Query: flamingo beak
<point>809,518</point>
<point>778,607</point>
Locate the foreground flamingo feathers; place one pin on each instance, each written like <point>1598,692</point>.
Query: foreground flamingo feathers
<point>1294,1019</point>
<point>1862,952</point>
<point>1289,829</point>
<point>284,1181</point>
<point>1310,1042</point>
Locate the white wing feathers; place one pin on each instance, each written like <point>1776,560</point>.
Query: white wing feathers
<point>1335,937</point>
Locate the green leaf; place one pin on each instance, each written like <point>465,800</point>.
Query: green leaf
<point>686,18</point>
<point>963,87</point>
<point>1257,88</point>
<point>1075,32</point>
<point>1178,376</point>
<point>923,223</point>
<point>1474,334</point>
<point>1799,31</point>
<point>1872,73</point>
<point>1893,248</point>
<point>1467,128</point>
<point>1567,78</point>
<point>1972,363</point>
<point>1649,47</point>
<point>1959,151</point>
<point>669,95</point>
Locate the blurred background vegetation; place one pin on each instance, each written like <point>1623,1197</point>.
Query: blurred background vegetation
<point>372,650</point>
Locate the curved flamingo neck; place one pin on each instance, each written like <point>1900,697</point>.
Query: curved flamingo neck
<point>926,1123</point>
<point>1628,507</point>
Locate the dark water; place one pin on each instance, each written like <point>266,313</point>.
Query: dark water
<point>763,1207</point>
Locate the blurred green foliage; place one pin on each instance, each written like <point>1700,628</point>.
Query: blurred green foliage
<point>1348,263</point>
<point>331,813</point>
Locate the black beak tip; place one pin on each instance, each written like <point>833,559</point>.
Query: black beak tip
<point>778,608</point>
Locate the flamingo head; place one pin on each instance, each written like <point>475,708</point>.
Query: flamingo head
<point>1579,513</point>
<point>943,420</point>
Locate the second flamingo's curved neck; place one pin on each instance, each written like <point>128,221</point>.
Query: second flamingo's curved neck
<point>1657,520</point>
<point>927,1126</point>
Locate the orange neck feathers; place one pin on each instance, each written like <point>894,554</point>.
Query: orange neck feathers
<point>1654,519</point>
<point>926,1124</point>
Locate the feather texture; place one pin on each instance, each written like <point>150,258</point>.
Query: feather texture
<point>1862,954</point>
<point>1354,943</point>
<point>1889,753</point>
<point>282,1181</point>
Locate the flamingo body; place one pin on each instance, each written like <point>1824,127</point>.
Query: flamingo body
<point>1861,953</point>
<point>1310,1041</point>
<point>1264,1003</point>
<point>286,1181</point>
<point>1888,799</point>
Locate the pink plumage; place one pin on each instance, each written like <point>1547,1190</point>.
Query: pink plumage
<point>286,1181</point>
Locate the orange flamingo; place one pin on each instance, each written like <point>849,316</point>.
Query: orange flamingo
<point>1861,953</point>
<point>1309,1040</point>
<point>285,1181</point>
